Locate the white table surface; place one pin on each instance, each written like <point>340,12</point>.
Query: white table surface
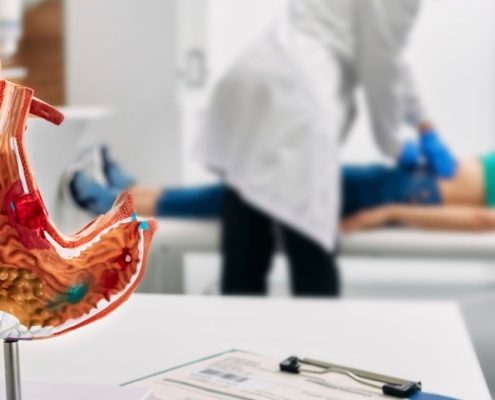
<point>424,341</point>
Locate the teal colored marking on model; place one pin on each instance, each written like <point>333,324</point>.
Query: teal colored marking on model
<point>12,206</point>
<point>134,216</point>
<point>143,225</point>
<point>76,293</point>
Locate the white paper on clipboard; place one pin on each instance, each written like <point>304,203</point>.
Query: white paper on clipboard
<point>246,376</point>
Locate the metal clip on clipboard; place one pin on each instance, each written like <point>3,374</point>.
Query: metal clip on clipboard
<point>390,386</point>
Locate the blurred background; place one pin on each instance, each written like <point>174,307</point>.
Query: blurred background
<point>137,75</point>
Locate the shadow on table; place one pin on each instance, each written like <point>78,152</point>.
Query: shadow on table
<point>480,320</point>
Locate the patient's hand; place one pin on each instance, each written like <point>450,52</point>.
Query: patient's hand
<point>368,219</point>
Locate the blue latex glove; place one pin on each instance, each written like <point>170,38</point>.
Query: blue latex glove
<point>410,156</point>
<point>437,155</point>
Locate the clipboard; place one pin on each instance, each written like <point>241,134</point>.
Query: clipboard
<point>255,375</point>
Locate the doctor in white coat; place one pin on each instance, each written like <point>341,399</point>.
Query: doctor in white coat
<point>274,125</point>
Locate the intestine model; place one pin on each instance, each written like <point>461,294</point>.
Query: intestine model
<point>51,284</point>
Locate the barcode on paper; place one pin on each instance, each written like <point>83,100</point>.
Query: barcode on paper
<point>221,374</point>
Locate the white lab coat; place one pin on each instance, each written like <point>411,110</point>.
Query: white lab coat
<point>275,119</point>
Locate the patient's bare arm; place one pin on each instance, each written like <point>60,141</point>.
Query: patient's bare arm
<point>453,218</point>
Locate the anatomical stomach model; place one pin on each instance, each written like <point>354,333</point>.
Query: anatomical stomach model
<point>51,284</point>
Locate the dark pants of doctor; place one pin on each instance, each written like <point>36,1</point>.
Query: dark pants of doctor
<point>248,246</point>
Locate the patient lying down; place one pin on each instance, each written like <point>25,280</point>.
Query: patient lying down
<point>373,196</point>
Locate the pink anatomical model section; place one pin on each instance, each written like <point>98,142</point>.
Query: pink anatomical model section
<point>51,284</point>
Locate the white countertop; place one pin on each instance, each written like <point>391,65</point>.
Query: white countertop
<point>424,341</point>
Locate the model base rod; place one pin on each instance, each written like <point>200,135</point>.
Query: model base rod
<point>12,370</point>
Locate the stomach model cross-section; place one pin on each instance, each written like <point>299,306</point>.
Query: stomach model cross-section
<point>51,284</point>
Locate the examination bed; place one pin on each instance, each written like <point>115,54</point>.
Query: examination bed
<point>201,236</point>
<point>175,238</point>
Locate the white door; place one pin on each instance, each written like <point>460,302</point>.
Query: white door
<point>120,55</point>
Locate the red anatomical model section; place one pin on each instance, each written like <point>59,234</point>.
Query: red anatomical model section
<point>50,283</point>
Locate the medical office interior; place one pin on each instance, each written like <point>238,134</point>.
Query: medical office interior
<point>138,76</point>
